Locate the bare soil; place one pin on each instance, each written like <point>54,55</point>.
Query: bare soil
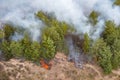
<point>61,69</point>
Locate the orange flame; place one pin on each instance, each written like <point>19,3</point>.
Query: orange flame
<point>45,65</point>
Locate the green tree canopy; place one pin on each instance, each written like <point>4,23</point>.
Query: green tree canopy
<point>93,17</point>
<point>110,33</point>
<point>8,31</point>
<point>6,50</point>
<point>1,34</point>
<point>117,2</point>
<point>116,54</point>
<point>103,54</point>
<point>86,44</point>
<point>47,50</point>
<point>55,30</point>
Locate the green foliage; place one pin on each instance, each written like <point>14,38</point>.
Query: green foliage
<point>26,42</point>
<point>53,22</point>
<point>5,48</point>
<point>23,48</point>
<point>8,31</point>
<point>112,38</point>
<point>47,48</point>
<point>35,48</point>
<point>31,50</point>
<point>110,33</point>
<point>52,33</point>
<point>52,40</point>
<point>16,49</point>
<point>86,44</point>
<point>116,45</point>
<point>115,60</point>
<point>106,51</point>
<point>118,30</point>
<point>116,54</point>
<point>1,34</point>
<point>55,30</point>
<point>44,17</point>
<point>117,2</point>
<point>103,54</point>
<point>93,17</point>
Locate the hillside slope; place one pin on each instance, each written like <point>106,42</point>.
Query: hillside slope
<point>61,70</point>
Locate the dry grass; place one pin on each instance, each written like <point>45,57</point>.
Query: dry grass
<point>61,70</point>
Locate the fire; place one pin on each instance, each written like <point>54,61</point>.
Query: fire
<point>45,64</point>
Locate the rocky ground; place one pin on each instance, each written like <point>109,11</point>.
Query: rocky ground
<point>61,69</point>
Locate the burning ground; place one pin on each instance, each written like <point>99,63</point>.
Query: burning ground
<point>61,70</point>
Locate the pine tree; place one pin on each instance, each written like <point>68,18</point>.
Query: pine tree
<point>35,51</point>
<point>26,43</point>
<point>93,17</point>
<point>115,54</point>
<point>103,54</point>
<point>6,50</point>
<point>47,50</point>
<point>16,49</point>
<point>8,31</point>
<point>44,17</point>
<point>1,34</point>
<point>86,44</point>
<point>110,33</point>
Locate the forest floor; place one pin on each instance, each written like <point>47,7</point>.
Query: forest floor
<point>61,69</point>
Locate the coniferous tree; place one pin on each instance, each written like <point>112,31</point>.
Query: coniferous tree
<point>43,16</point>
<point>52,40</point>
<point>103,54</point>
<point>26,43</point>
<point>1,34</point>
<point>93,17</point>
<point>8,31</point>
<point>47,50</point>
<point>86,44</point>
<point>110,33</point>
<point>35,51</point>
<point>55,29</point>
<point>116,54</point>
<point>6,50</point>
<point>16,49</point>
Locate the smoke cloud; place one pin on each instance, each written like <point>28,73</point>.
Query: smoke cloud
<point>75,12</point>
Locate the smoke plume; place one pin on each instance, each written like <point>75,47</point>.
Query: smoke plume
<point>75,12</point>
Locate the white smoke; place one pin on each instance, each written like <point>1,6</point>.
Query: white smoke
<point>21,14</point>
<point>74,55</point>
<point>108,10</point>
<point>76,12</point>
